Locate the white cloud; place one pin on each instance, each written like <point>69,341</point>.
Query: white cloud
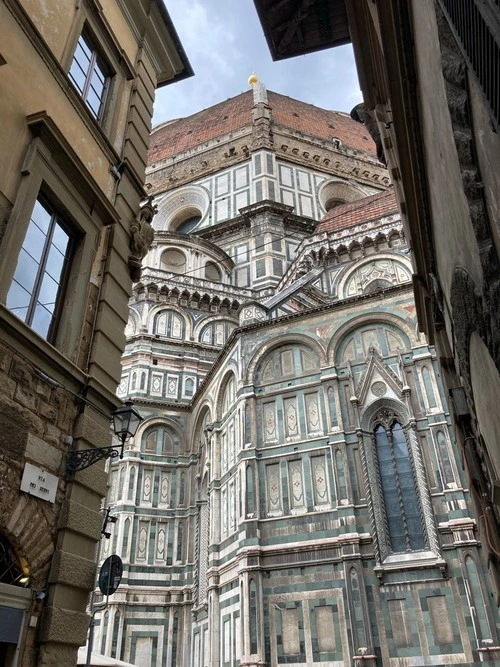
<point>224,42</point>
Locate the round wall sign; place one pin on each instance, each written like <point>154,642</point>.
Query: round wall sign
<point>110,574</point>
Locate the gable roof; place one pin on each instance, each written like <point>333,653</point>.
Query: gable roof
<point>236,113</point>
<point>367,209</point>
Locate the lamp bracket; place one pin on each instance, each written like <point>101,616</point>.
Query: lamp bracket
<point>83,458</point>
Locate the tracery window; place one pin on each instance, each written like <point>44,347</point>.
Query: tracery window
<point>217,333</point>
<point>399,492</point>
<point>288,361</point>
<point>170,324</point>
<point>161,440</point>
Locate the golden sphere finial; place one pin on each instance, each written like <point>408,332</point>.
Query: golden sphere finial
<point>253,78</point>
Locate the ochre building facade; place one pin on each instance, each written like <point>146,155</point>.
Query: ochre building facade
<point>77,83</point>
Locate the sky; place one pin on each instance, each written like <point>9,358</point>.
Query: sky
<point>225,43</point>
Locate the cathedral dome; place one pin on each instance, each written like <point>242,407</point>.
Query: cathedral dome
<point>235,114</point>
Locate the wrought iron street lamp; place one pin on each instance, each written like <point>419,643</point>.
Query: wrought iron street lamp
<point>126,420</point>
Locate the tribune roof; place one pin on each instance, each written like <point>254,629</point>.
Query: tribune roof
<point>236,113</point>
<point>363,210</point>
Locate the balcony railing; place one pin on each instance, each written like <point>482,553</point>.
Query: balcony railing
<point>476,26</point>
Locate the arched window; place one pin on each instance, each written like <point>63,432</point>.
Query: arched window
<point>401,503</point>
<point>212,272</point>
<point>217,333</point>
<point>180,533</point>
<point>161,440</point>
<point>169,323</point>
<point>104,635</point>
<point>229,394</point>
<point>188,225</point>
<point>116,629</point>
<point>188,387</point>
<point>287,361</point>
<point>429,389</point>
<point>126,533</point>
<point>333,202</point>
<point>252,589</point>
<point>173,260</point>
<point>131,484</point>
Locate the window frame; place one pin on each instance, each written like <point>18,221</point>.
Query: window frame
<point>120,69</point>
<point>386,411</point>
<point>50,170</point>
<point>55,219</point>
<point>389,430</point>
<point>97,58</point>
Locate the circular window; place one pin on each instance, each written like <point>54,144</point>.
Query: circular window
<point>188,225</point>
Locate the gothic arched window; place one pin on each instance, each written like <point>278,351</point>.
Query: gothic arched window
<point>217,333</point>
<point>168,323</point>
<point>229,395</point>
<point>399,491</point>
<point>161,440</point>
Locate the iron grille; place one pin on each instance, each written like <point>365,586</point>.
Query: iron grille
<point>476,25</point>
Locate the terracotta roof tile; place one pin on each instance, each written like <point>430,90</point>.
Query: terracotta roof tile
<point>236,113</point>
<point>367,209</point>
<point>319,123</point>
<point>205,125</point>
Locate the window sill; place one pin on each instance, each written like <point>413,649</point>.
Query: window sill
<point>26,341</point>
<point>410,561</point>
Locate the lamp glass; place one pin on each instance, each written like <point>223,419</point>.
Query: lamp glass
<point>126,420</point>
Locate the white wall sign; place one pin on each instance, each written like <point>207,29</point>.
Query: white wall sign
<point>39,483</point>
